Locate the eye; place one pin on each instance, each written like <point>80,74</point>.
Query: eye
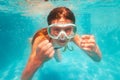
<point>56,29</point>
<point>68,29</point>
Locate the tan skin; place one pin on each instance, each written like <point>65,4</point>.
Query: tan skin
<point>44,51</point>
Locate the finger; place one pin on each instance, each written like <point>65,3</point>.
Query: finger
<point>85,36</point>
<point>90,40</point>
<point>41,44</point>
<point>87,41</point>
<point>83,41</point>
<point>92,36</point>
<point>49,52</point>
<point>87,49</point>
<point>46,47</point>
<point>40,47</point>
<point>88,45</point>
<point>52,54</point>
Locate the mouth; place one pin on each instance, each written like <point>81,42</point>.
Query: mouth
<point>62,41</point>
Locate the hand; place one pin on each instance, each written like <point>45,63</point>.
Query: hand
<point>88,43</point>
<point>44,51</point>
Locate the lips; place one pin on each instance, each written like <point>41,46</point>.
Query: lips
<point>62,41</point>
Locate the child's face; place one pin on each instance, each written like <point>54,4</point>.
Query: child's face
<point>63,21</point>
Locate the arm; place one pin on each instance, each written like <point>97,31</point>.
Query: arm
<point>57,55</point>
<point>87,43</point>
<point>30,68</point>
<point>41,52</point>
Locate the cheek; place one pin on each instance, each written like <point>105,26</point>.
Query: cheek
<point>55,41</point>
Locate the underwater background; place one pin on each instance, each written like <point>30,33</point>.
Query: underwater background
<point>20,19</point>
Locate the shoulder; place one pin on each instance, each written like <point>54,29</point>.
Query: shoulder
<point>40,35</point>
<point>76,37</point>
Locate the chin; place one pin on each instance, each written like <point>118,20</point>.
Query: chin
<point>62,42</point>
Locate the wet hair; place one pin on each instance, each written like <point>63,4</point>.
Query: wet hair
<point>60,12</point>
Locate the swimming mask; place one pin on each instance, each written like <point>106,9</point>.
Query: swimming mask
<point>62,31</point>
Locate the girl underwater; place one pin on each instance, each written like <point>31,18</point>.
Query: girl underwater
<point>60,31</point>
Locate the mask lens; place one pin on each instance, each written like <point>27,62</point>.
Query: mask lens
<point>68,30</point>
<point>54,31</point>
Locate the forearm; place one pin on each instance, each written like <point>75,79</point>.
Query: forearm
<point>92,51</point>
<point>30,70</point>
<point>95,54</point>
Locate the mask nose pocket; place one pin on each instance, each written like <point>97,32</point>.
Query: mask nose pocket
<point>62,35</point>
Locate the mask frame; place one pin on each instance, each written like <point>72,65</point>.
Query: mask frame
<point>62,31</point>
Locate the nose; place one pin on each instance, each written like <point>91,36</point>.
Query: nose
<point>62,36</point>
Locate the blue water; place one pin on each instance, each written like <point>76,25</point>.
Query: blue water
<point>19,20</point>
